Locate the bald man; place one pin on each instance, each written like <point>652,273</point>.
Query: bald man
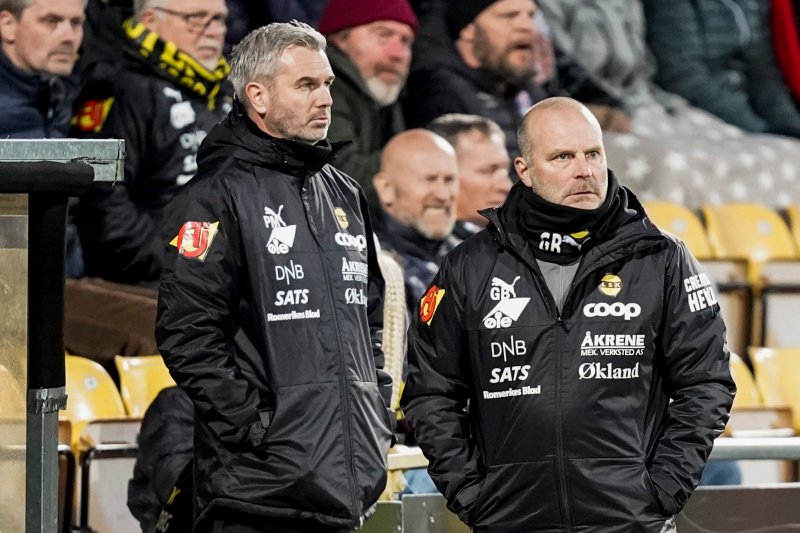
<point>417,186</point>
<point>568,369</point>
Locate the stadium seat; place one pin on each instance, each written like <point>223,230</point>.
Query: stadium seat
<point>759,235</point>
<point>12,397</point>
<point>681,222</point>
<point>777,374</point>
<point>91,394</point>
<point>747,393</point>
<point>141,378</point>
<point>793,216</point>
<point>730,275</point>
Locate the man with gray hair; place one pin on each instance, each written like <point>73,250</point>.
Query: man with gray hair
<point>270,309</point>
<point>158,81</point>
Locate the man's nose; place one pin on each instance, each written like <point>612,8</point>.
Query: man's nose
<point>398,49</point>
<point>583,168</point>
<point>325,99</point>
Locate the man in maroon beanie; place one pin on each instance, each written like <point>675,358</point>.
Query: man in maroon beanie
<point>369,48</point>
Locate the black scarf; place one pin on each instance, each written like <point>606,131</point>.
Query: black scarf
<point>174,64</point>
<point>559,233</point>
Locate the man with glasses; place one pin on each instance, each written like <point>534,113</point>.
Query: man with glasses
<point>160,85</point>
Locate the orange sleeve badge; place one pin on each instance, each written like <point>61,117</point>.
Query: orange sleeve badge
<point>92,115</point>
<point>429,304</point>
<point>194,239</point>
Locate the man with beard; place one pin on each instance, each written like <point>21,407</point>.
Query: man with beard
<point>370,53</point>
<point>270,307</point>
<point>159,85</point>
<point>417,186</point>
<point>488,70</point>
<point>562,374</point>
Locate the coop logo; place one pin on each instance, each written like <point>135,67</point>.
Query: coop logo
<point>355,297</point>
<point>610,285</point>
<point>358,242</point>
<point>194,239</point>
<point>508,308</point>
<point>617,309</point>
<point>281,237</point>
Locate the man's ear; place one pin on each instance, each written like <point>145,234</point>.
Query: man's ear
<point>258,96</point>
<point>523,171</point>
<point>384,188</point>
<point>8,27</point>
<point>467,33</point>
<point>149,18</point>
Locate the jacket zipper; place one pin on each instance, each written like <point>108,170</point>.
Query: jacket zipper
<point>561,467</point>
<point>345,392</point>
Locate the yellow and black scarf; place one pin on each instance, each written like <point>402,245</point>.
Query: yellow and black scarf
<point>175,64</point>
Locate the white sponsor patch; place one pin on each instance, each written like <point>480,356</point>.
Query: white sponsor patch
<point>291,297</point>
<point>293,315</point>
<point>181,115</point>
<point>612,345</point>
<point>289,273</point>
<point>510,393</point>
<point>514,347</point>
<point>505,313</point>
<point>352,242</point>
<point>617,309</point>
<point>699,292</point>
<point>607,371</point>
<point>355,297</point>
<point>354,270</point>
<point>510,373</point>
<point>281,237</point>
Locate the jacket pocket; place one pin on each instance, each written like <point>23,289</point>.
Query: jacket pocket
<point>612,490</point>
<point>371,431</point>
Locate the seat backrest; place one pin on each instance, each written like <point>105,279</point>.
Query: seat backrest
<point>141,378</point>
<point>682,222</point>
<point>747,393</point>
<point>793,214</point>
<point>12,398</point>
<point>777,374</point>
<point>748,231</point>
<point>91,394</point>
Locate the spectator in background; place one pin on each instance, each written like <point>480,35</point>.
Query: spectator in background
<point>370,52</point>
<point>718,55</point>
<point>160,86</point>
<point>483,164</point>
<point>675,151</point>
<point>785,23</point>
<point>417,185</point>
<point>486,67</point>
<point>39,42</point>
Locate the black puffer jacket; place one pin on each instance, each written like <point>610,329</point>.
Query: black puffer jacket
<point>540,421</point>
<point>269,238</point>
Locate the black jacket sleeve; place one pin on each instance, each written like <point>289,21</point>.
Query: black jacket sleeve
<point>197,309</point>
<point>437,390</point>
<point>697,380</point>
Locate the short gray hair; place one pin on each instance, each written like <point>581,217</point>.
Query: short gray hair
<point>256,56</point>
<point>452,125</point>
<point>15,7</point>
<point>141,5</point>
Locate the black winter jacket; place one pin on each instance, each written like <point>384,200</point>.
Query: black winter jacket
<point>535,421</point>
<point>269,238</point>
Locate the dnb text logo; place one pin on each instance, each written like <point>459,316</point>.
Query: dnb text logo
<point>281,238</point>
<point>429,303</point>
<point>509,307</point>
<point>194,239</point>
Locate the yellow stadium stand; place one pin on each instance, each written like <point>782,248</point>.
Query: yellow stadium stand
<point>91,395</point>
<point>730,275</point>
<point>12,397</point>
<point>747,393</point>
<point>759,235</point>
<point>141,378</point>
<point>777,375</point>
<point>793,215</point>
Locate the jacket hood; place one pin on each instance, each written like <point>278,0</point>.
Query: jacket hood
<point>239,138</point>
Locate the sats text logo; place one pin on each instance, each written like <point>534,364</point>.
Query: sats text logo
<point>194,239</point>
<point>509,307</point>
<point>281,237</point>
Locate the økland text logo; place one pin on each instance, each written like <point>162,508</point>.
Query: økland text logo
<point>194,239</point>
<point>509,307</point>
<point>281,237</point>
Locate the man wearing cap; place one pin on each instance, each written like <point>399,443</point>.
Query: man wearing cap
<point>487,70</point>
<point>369,49</point>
